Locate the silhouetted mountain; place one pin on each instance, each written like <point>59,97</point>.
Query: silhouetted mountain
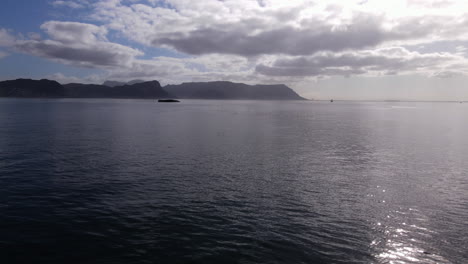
<point>47,88</point>
<point>113,83</point>
<point>134,82</point>
<point>117,83</point>
<point>229,90</point>
<point>150,89</point>
<point>31,88</point>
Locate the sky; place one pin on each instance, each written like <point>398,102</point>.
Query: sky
<point>340,49</point>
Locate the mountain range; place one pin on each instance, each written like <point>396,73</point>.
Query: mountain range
<point>151,90</point>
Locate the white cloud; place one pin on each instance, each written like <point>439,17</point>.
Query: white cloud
<point>34,35</point>
<point>376,62</point>
<point>249,28</point>
<point>3,54</point>
<point>78,44</point>
<point>74,32</point>
<point>64,79</point>
<point>253,39</point>
<point>69,4</point>
<point>259,41</point>
<point>6,39</point>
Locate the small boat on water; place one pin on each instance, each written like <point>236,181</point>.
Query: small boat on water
<point>168,101</point>
<point>331,101</point>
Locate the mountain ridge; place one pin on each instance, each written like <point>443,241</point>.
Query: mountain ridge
<point>31,88</point>
<point>150,89</point>
<point>231,90</point>
<point>221,90</point>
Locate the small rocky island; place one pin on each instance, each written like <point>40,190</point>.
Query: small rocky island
<point>168,101</point>
<point>219,90</point>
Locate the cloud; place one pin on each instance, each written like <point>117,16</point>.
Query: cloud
<point>69,4</point>
<point>78,44</point>
<point>34,35</point>
<point>238,38</point>
<point>161,67</point>
<point>6,39</point>
<point>3,54</point>
<point>74,32</point>
<point>253,28</point>
<point>288,40</point>
<point>170,70</point>
<point>372,62</point>
<point>257,41</point>
<point>64,79</point>
<point>430,4</point>
<point>446,74</point>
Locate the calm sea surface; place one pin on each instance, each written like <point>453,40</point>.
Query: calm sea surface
<point>134,181</point>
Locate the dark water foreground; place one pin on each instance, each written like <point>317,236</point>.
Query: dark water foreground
<point>133,181</point>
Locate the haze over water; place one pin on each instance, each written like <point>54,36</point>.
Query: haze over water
<point>134,181</point>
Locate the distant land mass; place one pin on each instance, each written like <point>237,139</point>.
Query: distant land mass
<point>52,89</point>
<point>230,90</point>
<point>31,88</point>
<point>221,90</point>
<point>117,83</point>
<point>150,89</point>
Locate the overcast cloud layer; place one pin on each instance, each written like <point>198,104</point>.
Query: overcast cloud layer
<point>254,41</point>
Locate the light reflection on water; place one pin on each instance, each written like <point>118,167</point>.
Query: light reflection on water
<point>399,241</point>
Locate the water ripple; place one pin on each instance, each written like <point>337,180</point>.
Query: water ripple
<point>117,181</point>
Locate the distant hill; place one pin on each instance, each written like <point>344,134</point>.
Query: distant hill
<point>31,88</point>
<point>230,90</point>
<point>47,88</point>
<point>134,82</point>
<point>151,89</point>
<point>117,83</point>
<point>113,83</point>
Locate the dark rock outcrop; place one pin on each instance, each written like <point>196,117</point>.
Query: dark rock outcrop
<point>229,90</point>
<point>168,101</point>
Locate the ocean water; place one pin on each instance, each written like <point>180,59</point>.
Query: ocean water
<point>135,181</point>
